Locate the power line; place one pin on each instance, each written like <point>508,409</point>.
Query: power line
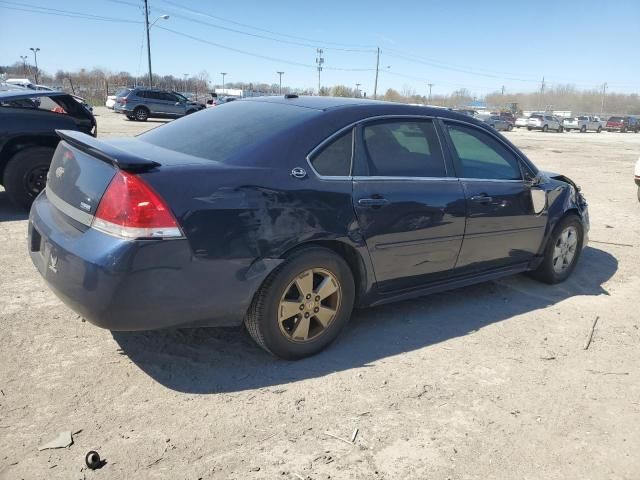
<point>339,46</point>
<point>256,55</point>
<point>23,7</point>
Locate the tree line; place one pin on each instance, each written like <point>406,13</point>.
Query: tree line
<point>97,83</point>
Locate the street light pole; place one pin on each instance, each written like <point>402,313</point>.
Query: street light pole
<point>224,74</point>
<point>184,84</point>
<point>24,64</point>
<point>430,85</point>
<point>357,89</point>
<point>280,74</point>
<point>35,57</point>
<point>148,27</point>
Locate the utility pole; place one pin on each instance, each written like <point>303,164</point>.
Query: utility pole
<point>502,93</point>
<point>357,90</point>
<point>319,62</point>
<point>224,74</point>
<point>24,64</point>
<point>542,85</point>
<point>280,75</point>
<point>430,86</point>
<point>146,22</point>
<point>35,57</point>
<point>375,85</point>
<point>184,84</point>
<point>604,94</point>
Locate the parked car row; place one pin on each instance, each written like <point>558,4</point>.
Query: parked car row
<point>583,123</point>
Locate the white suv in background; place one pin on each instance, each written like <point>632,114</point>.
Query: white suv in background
<point>544,122</point>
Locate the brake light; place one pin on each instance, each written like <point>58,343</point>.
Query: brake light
<point>123,101</point>
<point>130,209</point>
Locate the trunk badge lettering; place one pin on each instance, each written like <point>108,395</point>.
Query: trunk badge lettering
<point>85,206</point>
<point>59,172</point>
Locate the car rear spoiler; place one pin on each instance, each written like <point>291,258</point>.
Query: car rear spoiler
<point>105,152</point>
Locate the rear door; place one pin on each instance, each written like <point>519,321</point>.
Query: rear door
<point>410,208</point>
<point>502,228</point>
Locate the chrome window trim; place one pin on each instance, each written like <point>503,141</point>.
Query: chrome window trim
<point>498,180</point>
<point>68,209</point>
<point>361,178</point>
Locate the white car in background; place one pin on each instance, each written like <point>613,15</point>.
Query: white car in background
<point>111,99</point>
<point>521,122</point>
<point>583,123</point>
<point>544,122</point>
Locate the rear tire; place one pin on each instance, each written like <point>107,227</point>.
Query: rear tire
<point>529,128</point>
<point>26,175</point>
<point>293,333</point>
<point>556,266</point>
<point>599,130</point>
<point>509,128</point>
<point>141,114</point>
<point>545,128</point>
<point>583,129</point>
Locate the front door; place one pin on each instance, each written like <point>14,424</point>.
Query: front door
<point>502,227</point>
<point>411,211</point>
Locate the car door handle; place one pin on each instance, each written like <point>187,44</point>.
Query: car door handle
<point>482,199</point>
<point>372,202</point>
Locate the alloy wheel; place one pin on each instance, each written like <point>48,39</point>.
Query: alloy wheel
<point>309,305</point>
<point>565,249</point>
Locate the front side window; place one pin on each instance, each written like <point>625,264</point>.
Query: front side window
<point>334,160</point>
<point>482,156</point>
<point>403,148</point>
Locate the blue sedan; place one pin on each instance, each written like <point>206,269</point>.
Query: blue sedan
<point>286,213</point>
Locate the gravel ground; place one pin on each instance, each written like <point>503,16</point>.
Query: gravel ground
<point>485,382</point>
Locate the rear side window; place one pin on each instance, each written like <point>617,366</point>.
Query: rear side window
<point>224,132</point>
<point>403,148</point>
<point>334,160</point>
<point>482,156</point>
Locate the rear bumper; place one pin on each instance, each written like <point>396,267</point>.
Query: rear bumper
<point>137,285</point>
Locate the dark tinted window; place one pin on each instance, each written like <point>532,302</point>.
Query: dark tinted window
<point>403,148</point>
<point>482,156</point>
<point>142,94</point>
<point>222,132</point>
<point>616,119</point>
<point>334,160</point>
<point>536,116</point>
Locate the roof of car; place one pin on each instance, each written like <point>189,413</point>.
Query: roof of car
<point>334,103</point>
<point>19,94</point>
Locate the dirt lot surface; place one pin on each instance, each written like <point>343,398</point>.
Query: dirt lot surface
<point>486,382</point>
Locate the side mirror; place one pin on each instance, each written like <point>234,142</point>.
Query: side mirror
<point>532,180</point>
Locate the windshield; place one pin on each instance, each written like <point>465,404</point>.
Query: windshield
<point>219,133</point>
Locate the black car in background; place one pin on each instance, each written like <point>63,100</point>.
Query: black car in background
<point>28,121</point>
<point>284,213</point>
<point>141,103</point>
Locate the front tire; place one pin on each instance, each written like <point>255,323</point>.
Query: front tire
<point>26,175</point>
<point>545,128</point>
<point>599,130</point>
<point>583,129</point>
<point>562,251</point>
<point>303,305</point>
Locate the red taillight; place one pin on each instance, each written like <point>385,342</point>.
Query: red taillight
<point>123,101</point>
<point>131,209</point>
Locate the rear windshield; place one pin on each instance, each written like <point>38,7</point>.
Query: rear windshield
<point>122,92</point>
<point>583,118</point>
<point>220,132</point>
<point>616,119</point>
<point>535,116</point>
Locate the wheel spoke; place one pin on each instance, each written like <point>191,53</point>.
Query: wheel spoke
<point>288,309</point>
<point>304,283</point>
<point>301,331</point>
<point>326,288</point>
<point>325,315</point>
